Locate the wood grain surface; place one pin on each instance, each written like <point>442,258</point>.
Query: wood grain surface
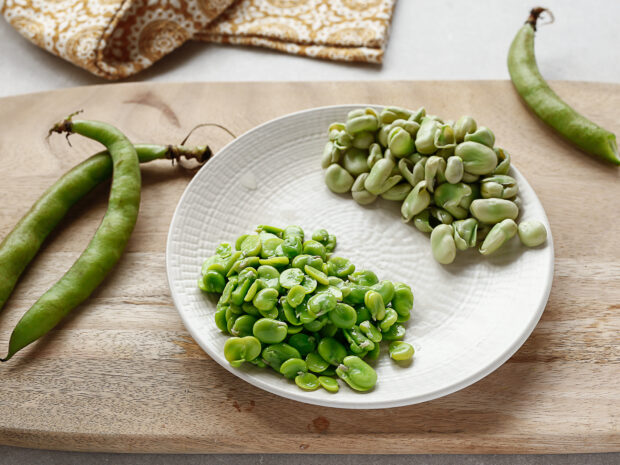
<point>122,374</point>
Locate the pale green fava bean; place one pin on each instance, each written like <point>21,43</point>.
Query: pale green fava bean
<point>390,114</point>
<point>493,211</point>
<point>422,221</point>
<point>401,351</point>
<point>416,201</point>
<point>454,169</point>
<point>445,138</point>
<point>477,158</point>
<point>374,154</point>
<point>498,236</point>
<point>378,176</point>
<point>362,123</point>
<point>331,350</point>
<point>397,193</point>
<point>419,170</point>
<point>454,198</point>
<point>470,178</point>
<point>307,382</point>
<point>241,349</point>
<point>443,245</point>
<point>499,186</point>
<point>359,192</point>
<point>532,233</point>
<point>503,158</point>
<point>338,179</point>
<point>357,373</point>
<point>400,142</point>
<point>293,367</point>
<point>434,166</point>
<point>328,383</point>
<point>465,125</point>
<point>425,138</point>
<point>363,140</point>
<point>331,154</point>
<point>270,331</point>
<point>441,215</point>
<point>465,233</point>
<point>355,162</point>
<point>482,135</point>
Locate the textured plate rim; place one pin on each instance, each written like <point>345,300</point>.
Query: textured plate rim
<point>482,372</point>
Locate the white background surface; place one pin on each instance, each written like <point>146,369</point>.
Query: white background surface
<point>430,39</point>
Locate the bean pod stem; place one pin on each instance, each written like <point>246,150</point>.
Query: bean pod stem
<point>106,246</point>
<point>547,105</point>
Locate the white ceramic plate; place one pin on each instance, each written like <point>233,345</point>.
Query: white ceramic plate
<point>468,317</point>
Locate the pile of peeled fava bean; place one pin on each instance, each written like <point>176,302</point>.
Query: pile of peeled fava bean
<point>451,179</point>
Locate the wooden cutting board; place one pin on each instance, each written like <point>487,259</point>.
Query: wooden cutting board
<point>122,373</point>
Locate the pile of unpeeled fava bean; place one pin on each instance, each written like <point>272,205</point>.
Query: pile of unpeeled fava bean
<point>291,305</point>
<point>451,179</point>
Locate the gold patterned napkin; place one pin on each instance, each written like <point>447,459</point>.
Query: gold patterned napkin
<point>118,38</point>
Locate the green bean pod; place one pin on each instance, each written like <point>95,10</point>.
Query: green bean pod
<point>21,245</point>
<point>547,105</point>
<point>107,245</point>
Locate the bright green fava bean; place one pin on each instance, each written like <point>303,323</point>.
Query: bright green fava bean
<point>364,278</point>
<point>213,281</point>
<point>320,304</point>
<point>498,236</point>
<point>417,200</point>
<point>396,331</point>
<point>477,158</point>
<point>291,277</point>
<point>400,350</point>
<point>276,354</point>
<point>303,343</point>
<point>402,301</point>
<point>316,274</point>
<point>331,350</point>
<point>251,245</point>
<point>314,248</point>
<point>357,373</point>
<point>386,289</point>
<point>338,179</point>
<point>343,316</point>
<point>307,381</point>
<point>465,125</point>
<point>532,233</point>
<point>266,299</point>
<point>296,295</point>
<point>482,135</point>
<point>443,245</point>
<point>493,211</point>
<point>293,367</point>
<point>328,383</point>
<point>243,326</point>
<point>316,363</point>
<point>241,349</point>
<point>390,318</point>
<point>340,267</point>
<point>370,331</point>
<point>374,303</point>
<point>270,331</point>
